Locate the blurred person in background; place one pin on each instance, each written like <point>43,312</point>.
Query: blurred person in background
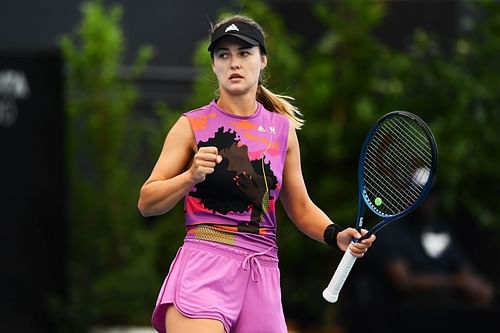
<point>420,261</point>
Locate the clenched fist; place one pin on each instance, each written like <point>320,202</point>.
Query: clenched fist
<point>204,162</point>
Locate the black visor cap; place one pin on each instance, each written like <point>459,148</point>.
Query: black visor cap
<point>246,32</point>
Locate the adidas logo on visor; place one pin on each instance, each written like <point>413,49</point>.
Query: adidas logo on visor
<point>232,27</point>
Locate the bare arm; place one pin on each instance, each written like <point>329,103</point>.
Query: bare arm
<point>308,217</point>
<point>173,175</point>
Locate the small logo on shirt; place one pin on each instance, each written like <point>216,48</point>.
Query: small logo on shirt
<point>271,129</point>
<point>232,27</point>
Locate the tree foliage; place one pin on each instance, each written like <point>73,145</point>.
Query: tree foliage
<point>109,250</point>
<point>342,81</point>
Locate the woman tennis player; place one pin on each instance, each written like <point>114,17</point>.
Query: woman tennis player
<point>230,160</point>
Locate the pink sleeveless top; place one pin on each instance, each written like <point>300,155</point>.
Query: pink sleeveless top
<point>236,204</point>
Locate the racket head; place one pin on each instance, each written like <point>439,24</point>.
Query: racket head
<point>397,165</point>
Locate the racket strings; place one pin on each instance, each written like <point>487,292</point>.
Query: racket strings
<point>417,147</point>
<point>397,159</point>
<point>399,173</point>
<point>402,167</point>
<point>397,184</point>
<point>391,206</point>
<point>414,148</point>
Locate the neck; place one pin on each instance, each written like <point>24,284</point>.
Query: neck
<point>242,105</point>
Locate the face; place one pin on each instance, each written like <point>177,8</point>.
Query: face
<point>237,66</point>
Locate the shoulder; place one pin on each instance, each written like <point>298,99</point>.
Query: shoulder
<point>181,129</point>
<point>292,139</point>
<point>200,111</point>
<point>281,122</point>
<point>285,120</point>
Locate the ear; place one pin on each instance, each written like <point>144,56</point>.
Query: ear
<point>263,62</point>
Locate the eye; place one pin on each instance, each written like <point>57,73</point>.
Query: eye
<point>245,53</point>
<point>221,55</point>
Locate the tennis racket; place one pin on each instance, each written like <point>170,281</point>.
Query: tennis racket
<point>396,169</point>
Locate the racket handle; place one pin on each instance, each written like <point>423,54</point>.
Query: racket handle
<point>331,292</point>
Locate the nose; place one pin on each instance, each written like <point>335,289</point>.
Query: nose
<point>235,63</point>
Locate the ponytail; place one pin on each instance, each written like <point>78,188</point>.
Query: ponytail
<point>280,104</point>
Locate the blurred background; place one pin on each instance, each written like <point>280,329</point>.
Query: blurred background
<point>88,90</point>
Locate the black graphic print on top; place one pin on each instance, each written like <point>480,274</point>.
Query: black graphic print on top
<point>237,184</point>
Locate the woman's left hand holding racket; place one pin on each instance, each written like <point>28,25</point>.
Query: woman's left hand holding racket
<point>357,249</point>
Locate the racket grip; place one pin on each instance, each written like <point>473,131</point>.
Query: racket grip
<point>331,292</point>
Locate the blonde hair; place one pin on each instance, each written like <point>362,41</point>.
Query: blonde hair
<point>280,104</point>
<point>271,101</point>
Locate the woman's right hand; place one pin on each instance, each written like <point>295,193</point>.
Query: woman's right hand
<point>204,162</point>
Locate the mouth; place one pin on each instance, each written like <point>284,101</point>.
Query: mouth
<point>235,76</point>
